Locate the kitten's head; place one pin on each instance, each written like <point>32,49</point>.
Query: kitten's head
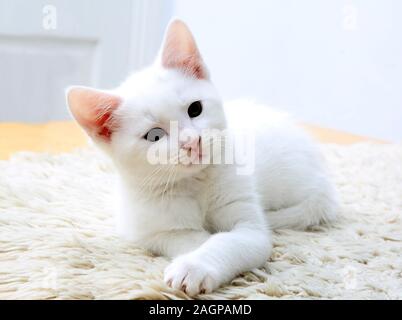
<point>137,122</point>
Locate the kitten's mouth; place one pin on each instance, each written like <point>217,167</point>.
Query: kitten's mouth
<point>193,160</point>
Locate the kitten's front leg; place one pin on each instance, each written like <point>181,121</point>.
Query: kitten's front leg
<point>169,228</point>
<point>179,244</point>
<point>224,255</point>
<point>175,242</point>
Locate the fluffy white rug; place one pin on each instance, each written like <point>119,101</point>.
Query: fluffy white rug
<point>57,241</point>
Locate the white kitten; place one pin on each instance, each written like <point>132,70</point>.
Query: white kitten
<point>212,220</point>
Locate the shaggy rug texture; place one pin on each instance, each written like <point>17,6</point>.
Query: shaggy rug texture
<point>57,239</point>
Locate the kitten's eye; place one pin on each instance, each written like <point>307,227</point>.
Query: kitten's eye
<point>155,134</point>
<point>195,109</point>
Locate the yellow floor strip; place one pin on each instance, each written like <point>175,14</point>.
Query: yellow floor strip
<point>64,136</point>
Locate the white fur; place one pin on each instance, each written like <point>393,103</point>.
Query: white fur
<point>290,173</point>
<point>210,219</point>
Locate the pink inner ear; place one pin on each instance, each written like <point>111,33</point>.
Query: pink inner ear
<point>93,110</point>
<point>180,51</point>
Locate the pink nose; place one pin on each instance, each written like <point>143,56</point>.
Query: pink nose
<point>193,145</point>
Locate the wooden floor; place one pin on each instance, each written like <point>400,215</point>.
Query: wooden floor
<point>63,136</point>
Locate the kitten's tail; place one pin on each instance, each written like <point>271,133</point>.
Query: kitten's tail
<point>317,209</point>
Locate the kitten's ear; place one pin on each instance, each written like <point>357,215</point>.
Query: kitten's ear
<point>93,110</point>
<point>179,51</point>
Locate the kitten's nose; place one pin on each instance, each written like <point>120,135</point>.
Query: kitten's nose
<point>193,145</point>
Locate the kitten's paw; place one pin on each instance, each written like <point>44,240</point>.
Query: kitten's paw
<point>190,276</point>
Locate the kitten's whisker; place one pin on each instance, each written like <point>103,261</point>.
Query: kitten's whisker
<point>166,189</point>
<point>150,177</point>
<point>173,182</point>
<point>147,181</point>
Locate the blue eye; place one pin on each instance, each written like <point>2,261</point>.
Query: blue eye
<point>195,109</point>
<point>155,134</point>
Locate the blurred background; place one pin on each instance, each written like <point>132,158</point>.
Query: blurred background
<point>333,63</point>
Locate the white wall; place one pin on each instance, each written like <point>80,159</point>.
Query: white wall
<point>337,63</point>
<point>46,46</point>
<point>333,63</point>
